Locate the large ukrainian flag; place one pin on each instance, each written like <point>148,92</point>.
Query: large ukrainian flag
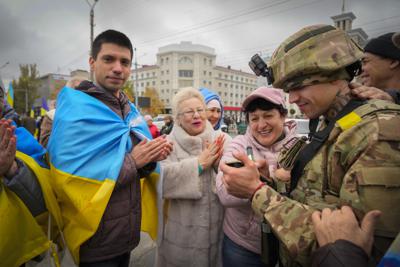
<point>22,238</point>
<point>86,150</point>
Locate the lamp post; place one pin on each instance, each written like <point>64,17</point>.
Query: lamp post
<point>91,29</point>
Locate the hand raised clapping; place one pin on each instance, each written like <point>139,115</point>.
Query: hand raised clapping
<point>8,142</point>
<point>151,151</point>
<point>212,153</point>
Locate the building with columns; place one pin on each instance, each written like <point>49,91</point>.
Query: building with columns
<point>187,64</point>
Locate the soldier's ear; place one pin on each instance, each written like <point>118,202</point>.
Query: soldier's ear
<point>394,64</point>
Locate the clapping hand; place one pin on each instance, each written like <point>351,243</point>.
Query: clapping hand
<point>151,151</point>
<point>8,142</point>
<point>212,153</point>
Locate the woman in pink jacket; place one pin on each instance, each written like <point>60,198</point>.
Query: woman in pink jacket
<point>266,133</point>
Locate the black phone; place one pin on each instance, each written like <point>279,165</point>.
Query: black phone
<point>235,164</point>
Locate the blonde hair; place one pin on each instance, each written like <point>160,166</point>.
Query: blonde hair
<point>185,94</point>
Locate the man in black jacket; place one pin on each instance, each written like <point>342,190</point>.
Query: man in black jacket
<point>380,70</point>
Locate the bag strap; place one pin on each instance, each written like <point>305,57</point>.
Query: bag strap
<point>317,140</point>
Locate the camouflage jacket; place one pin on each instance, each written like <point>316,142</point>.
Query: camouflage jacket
<point>359,165</point>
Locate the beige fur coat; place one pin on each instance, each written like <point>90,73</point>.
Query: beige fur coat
<point>191,232</point>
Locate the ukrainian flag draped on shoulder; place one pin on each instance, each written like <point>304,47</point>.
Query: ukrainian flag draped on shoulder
<point>87,149</point>
<point>22,238</point>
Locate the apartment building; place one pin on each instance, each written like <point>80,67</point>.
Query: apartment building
<point>186,64</point>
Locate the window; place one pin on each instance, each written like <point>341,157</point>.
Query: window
<point>167,90</point>
<point>204,82</point>
<point>167,71</point>
<point>236,87</point>
<point>185,83</point>
<point>219,92</point>
<point>209,82</point>
<point>237,78</point>
<point>219,75</point>
<point>185,60</point>
<point>210,62</point>
<point>231,86</point>
<point>167,81</point>
<point>226,85</point>
<point>153,83</point>
<point>219,84</point>
<point>162,91</point>
<point>162,72</point>
<point>162,61</point>
<point>226,76</point>
<point>231,77</point>
<point>142,84</point>
<point>162,82</point>
<point>147,83</point>
<point>205,61</point>
<point>231,94</point>
<point>167,100</point>
<point>205,73</point>
<point>141,75</point>
<point>154,74</point>
<point>226,94</point>
<point>210,73</point>
<point>185,73</point>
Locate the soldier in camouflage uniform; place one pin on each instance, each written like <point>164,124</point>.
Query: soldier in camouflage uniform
<point>359,163</point>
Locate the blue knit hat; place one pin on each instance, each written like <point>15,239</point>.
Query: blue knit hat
<point>210,95</point>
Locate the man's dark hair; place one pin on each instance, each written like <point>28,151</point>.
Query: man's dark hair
<point>113,37</point>
<point>260,103</point>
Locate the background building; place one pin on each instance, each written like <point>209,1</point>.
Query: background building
<point>186,64</point>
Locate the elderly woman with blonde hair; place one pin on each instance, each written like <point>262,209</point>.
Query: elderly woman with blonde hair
<point>193,214</point>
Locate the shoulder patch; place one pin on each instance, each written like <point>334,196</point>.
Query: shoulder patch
<point>348,121</point>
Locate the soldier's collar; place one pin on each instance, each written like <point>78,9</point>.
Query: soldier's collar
<point>337,105</point>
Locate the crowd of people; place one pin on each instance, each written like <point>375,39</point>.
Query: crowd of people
<point>101,172</point>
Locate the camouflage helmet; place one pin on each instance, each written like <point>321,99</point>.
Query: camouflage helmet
<point>315,54</point>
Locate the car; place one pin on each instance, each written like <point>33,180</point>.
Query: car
<point>302,127</point>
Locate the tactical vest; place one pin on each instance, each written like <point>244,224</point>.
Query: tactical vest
<point>328,179</point>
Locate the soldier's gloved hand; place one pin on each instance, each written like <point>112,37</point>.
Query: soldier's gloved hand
<point>330,226</point>
<point>242,182</point>
<point>8,142</point>
<point>367,92</point>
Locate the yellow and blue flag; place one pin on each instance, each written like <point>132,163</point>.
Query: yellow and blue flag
<point>86,149</point>
<point>22,238</point>
<point>10,95</point>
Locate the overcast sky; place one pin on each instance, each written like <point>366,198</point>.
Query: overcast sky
<point>55,34</point>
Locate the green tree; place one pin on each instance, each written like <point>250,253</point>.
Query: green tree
<point>128,90</point>
<point>26,87</point>
<point>156,105</point>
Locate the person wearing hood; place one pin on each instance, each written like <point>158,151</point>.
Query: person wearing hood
<point>267,132</point>
<point>215,110</point>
